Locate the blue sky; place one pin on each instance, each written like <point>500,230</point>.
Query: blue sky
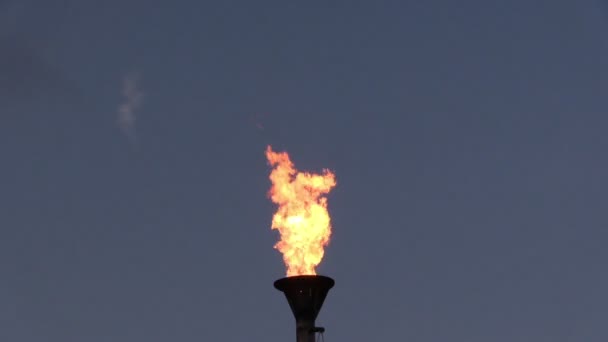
<point>468,140</point>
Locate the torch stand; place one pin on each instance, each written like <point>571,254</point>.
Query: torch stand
<point>305,295</point>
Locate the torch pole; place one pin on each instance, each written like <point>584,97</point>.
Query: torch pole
<point>305,295</point>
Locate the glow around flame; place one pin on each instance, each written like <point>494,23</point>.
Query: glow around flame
<point>302,218</point>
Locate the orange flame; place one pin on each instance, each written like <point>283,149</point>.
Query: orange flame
<point>302,218</point>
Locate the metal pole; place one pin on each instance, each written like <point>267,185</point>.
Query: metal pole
<point>305,331</point>
<point>305,295</point>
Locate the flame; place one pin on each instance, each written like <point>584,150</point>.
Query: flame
<point>302,218</point>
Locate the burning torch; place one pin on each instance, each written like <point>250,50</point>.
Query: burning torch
<point>304,225</point>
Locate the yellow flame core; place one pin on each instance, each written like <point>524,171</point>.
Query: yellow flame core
<point>302,218</point>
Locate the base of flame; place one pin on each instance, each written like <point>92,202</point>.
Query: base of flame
<point>305,295</point>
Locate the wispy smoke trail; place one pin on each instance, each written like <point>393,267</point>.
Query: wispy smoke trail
<point>133,98</point>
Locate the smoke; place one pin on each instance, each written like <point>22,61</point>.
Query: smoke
<point>133,98</point>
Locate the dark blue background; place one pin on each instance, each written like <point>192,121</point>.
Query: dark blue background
<point>468,139</point>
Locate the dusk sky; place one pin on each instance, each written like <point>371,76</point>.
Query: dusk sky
<point>468,138</point>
